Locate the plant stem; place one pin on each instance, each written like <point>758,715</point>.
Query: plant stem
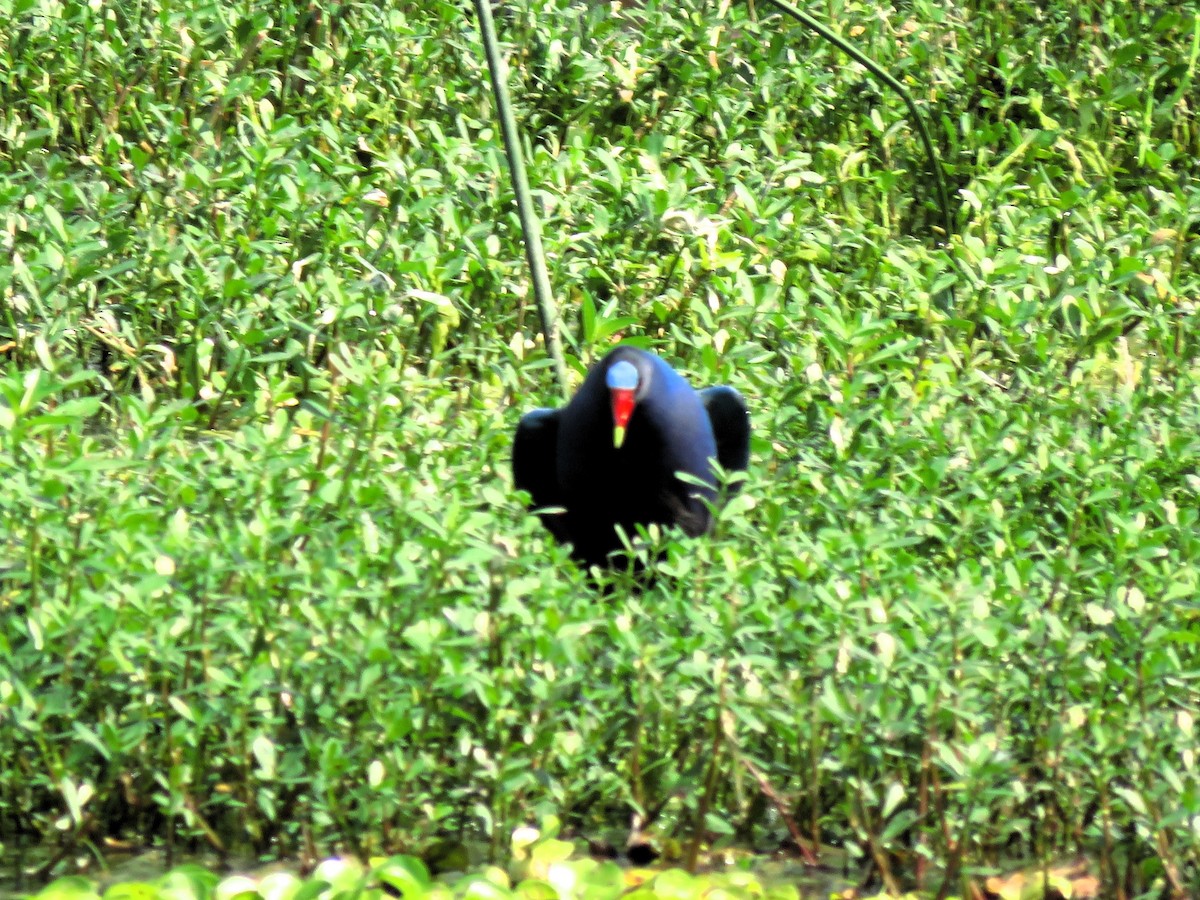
<point>530,227</point>
<point>918,120</point>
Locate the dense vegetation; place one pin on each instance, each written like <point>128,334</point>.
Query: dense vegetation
<point>265,335</point>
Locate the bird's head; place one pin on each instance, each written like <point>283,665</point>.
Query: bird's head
<point>623,380</point>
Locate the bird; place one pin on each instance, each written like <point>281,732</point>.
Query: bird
<point>610,458</point>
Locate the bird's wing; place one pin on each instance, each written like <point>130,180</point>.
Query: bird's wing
<point>535,465</point>
<point>535,452</point>
<point>730,425</point>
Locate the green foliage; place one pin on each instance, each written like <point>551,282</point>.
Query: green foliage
<point>546,871</point>
<point>264,584</point>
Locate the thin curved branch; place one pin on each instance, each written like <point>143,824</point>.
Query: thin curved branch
<point>918,120</point>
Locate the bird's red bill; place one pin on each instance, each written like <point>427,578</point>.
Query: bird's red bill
<point>622,409</point>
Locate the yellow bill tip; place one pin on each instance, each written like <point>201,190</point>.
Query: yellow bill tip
<point>618,436</point>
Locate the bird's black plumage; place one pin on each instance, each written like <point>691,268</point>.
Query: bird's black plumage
<point>568,462</point>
